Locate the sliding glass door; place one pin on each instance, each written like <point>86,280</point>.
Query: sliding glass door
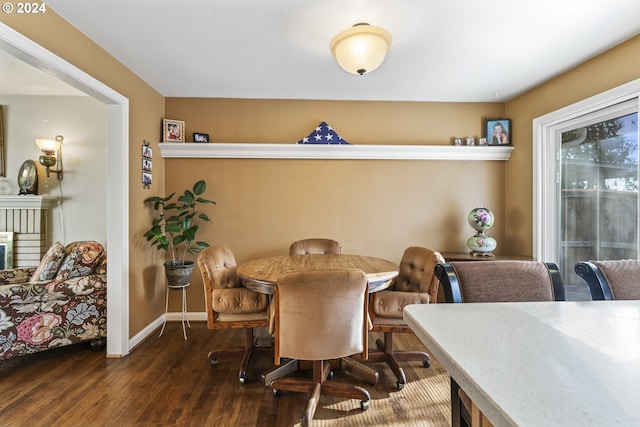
<point>598,179</point>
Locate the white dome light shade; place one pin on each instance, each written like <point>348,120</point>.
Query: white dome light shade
<point>48,145</point>
<point>361,49</point>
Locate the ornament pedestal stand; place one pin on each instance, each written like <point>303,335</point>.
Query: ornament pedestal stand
<point>185,319</point>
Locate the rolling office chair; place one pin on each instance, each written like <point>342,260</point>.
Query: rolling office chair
<point>415,284</point>
<point>611,280</point>
<point>334,326</point>
<point>231,305</point>
<point>315,246</point>
<point>494,281</point>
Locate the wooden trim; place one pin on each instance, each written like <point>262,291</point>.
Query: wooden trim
<point>27,202</point>
<point>333,151</point>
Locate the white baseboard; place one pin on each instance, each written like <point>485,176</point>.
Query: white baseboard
<point>138,338</point>
<point>192,317</point>
<point>145,332</point>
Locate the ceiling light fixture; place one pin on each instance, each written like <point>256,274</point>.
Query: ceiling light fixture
<point>361,49</point>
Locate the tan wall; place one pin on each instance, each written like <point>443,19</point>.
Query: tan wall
<point>613,68</point>
<point>372,207</point>
<point>287,121</point>
<point>146,108</point>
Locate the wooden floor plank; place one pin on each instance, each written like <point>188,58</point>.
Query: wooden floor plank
<point>168,381</point>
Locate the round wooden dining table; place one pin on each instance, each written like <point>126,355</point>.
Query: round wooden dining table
<point>261,274</point>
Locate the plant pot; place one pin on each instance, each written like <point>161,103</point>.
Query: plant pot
<point>178,274</point>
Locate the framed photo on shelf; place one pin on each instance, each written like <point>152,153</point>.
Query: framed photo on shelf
<point>200,137</point>
<point>172,130</point>
<point>497,131</point>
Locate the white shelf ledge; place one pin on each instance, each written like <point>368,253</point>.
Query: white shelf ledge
<point>333,151</point>
<point>27,201</point>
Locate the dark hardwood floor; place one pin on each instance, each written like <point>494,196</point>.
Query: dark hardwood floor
<point>167,381</point>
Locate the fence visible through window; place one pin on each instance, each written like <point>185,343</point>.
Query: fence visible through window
<point>599,193</point>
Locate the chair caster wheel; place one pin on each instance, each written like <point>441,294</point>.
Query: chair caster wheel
<point>399,385</point>
<point>426,363</point>
<point>364,405</point>
<point>277,393</point>
<point>214,362</point>
<point>244,380</point>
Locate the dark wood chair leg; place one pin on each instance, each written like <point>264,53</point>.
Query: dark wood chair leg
<point>312,404</point>
<point>386,354</point>
<point>360,370</point>
<point>246,358</point>
<point>280,371</point>
<point>250,345</point>
<point>318,385</point>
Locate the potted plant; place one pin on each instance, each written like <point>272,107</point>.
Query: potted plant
<point>174,230</point>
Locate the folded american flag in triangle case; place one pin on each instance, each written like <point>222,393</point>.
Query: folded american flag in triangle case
<point>323,134</point>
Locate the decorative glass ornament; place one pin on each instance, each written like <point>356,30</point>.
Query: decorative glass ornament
<point>481,219</point>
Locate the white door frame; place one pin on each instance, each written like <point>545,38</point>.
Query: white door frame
<point>117,176</point>
<point>546,160</point>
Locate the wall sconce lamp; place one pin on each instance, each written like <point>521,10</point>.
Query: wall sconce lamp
<point>51,154</point>
<point>361,49</point>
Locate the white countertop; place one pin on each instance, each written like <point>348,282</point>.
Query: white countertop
<point>542,363</point>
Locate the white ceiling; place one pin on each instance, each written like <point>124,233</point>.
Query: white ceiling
<point>442,50</point>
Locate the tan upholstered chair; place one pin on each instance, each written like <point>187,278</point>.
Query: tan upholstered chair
<point>229,304</point>
<point>500,281</point>
<point>333,326</point>
<point>609,280</point>
<point>315,246</point>
<point>415,284</point>
<point>494,281</point>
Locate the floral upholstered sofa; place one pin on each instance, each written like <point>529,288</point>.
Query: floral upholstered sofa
<point>60,302</point>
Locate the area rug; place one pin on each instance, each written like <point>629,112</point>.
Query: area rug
<point>423,402</point>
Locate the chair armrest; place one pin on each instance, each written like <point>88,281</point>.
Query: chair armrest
<point>238,301</point>
<point>556,281</point>
<point>449,281</point>
<point>53,290</point>
<point>390,304</point>
<point>16,275</point>
<point>595,280</point>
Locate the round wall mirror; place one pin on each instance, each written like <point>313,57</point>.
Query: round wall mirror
<point>28,178</point>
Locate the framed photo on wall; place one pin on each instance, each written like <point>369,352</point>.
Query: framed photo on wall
<point>146,178</point>
<point>172,130</point>
<point>147,151</point>
<point>147,164</point>
<point>497,131</point>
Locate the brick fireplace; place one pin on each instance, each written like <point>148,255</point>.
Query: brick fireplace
<point>27,217</point>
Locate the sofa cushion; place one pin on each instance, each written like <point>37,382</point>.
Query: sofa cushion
<point>81,259</point>
<point>49,264</point>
